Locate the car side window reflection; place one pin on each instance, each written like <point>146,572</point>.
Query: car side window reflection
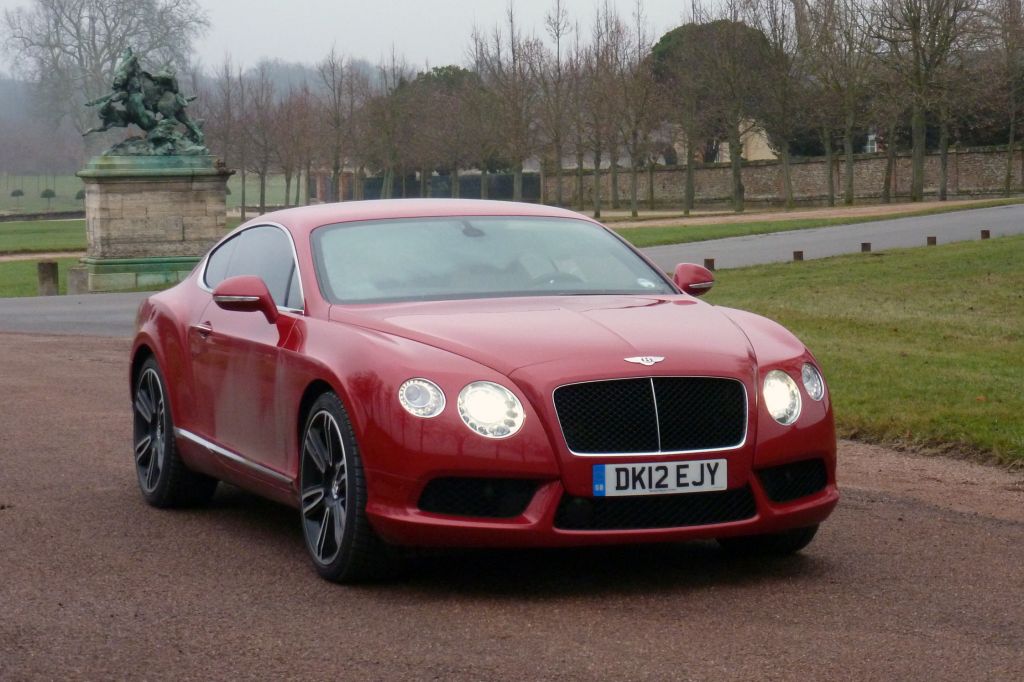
<point>264,252</point>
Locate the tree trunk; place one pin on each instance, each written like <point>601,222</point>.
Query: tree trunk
<point>287,188</point>
<point>890,163</point>
<point>830,183</point>
<point>615,179</point>
<point>736,164</point>
<point>943,159</point>
<point>918,125</point>
<point>650,185</point>
<point>690,190</point>
<point>484,180</point>
<point>634,183</point>
<point>455,182</point>
<point>787,178</point>
<point>1010,142</point>
<point>597,182</point>
<point>424,187</point>
<point>359,189</point>
<point>242,179</point>
<point>298,187</point>
<point>263,192</point>
<point>543,188</point>
<point>558,174</point>
<point>517,183</point>
<point>848,168</point>
<point>579,181</point>
<point>309,171</point>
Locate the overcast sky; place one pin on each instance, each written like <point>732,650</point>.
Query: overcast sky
<point>434,31</point>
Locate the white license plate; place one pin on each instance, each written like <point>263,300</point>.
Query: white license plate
<point>695,476</point>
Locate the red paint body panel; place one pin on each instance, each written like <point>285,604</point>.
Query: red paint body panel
<point>236,383</point>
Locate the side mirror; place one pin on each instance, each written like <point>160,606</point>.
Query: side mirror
<point>246,294</point>
<point>693,279</point>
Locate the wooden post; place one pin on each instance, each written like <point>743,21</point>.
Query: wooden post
<point>47,273</point>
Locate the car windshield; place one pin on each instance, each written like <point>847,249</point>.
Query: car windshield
<point>475,257</point>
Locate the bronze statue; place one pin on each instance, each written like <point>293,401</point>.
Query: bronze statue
<point>152,102</point>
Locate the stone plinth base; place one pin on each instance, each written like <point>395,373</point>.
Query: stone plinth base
<point>150,218</point>
<point>127,274</point>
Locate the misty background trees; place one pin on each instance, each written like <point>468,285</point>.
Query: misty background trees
<point>594,94</point>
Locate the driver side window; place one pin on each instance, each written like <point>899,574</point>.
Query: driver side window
<point>265,252</point>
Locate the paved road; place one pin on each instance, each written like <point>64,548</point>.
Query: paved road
<point>114,314</point>
<point>917,576</point>
<point>92,314</point>
<point>833,241</point>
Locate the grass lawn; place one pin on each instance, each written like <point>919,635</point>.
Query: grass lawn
<point>18,278</point>
<point>920,346</point>
<point>682,233</point>
<point>42,235</point>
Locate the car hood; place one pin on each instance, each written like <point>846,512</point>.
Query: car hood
<point>584,333</point>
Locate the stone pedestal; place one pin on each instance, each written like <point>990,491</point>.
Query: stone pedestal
<point>150,218</point>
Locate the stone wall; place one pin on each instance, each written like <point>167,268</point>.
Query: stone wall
<point>971,172</point>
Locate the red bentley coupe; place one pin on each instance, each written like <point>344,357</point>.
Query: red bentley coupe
<point>470,373</point>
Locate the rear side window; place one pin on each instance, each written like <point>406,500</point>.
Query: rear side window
<point>265,252</point>
<point>218,262</point>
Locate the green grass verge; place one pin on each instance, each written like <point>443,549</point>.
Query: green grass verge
<point>682,233</point>
<point>18,278</point>
<point>920,346</point>
<point>38,236</point>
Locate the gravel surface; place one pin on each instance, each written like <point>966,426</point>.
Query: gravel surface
<point>917,576</point>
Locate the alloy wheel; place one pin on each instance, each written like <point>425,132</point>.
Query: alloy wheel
<point>325,487</point>
<point>150,429</point>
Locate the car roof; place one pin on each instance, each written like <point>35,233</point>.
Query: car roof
<point>308,218</point>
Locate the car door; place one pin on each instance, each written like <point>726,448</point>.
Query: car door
<point>240,360</point>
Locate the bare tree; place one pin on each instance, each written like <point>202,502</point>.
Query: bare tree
<point>260,125</point>
<point>553,79</point>
<point>71,47</point>
<point>924,41</point>
<point>782,106</point>
<point>637,90</point>
<point>841,51</point>
<point>333,109</point>
<point>503,60</point>
<point>1005,38</point>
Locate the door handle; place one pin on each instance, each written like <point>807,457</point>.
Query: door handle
<point>203,328</point>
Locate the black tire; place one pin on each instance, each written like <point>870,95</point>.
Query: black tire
<point>164,480</point>
<point>332,499</point>
<point>776,544</point>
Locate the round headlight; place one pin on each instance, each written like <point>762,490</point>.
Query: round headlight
<point>813,382</point>
<point>781,397</point>
<point>421,398</point>
<point>490,409</point>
